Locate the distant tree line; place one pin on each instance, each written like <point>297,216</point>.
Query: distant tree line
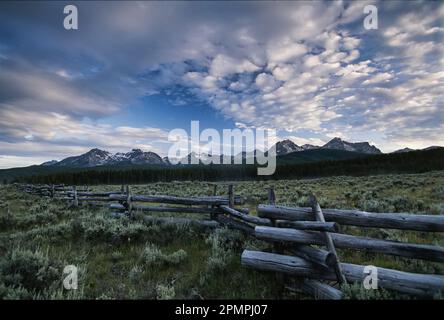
<point>411,162</point>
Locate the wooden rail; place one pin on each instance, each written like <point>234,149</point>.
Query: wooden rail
<point>304,240</point>
<point>412,283</point>
<point>403,221</point>
<point>401,249</point>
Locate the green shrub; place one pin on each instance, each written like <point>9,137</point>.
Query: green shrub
<point>135,273</point>
<point>224,242</point>
<point>116,256</point>
<point>7,219</point>
<point>165,292</point>
<point>111,230</point>
<point>14,293</point>
<point>356,291</point>
<point>153,256</point>
<point>31,270</point>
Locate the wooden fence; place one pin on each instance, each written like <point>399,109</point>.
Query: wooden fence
<point>304,238</point>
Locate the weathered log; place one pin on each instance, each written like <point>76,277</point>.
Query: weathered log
<point>235,224</point>
<point>183,221</point>
<point>403,221</point>
<point>321,258</point>
<point>319,290</point>
<point>63,198</point>
<point>302,225</point>
<point>76,200</point>
<point>230,196</point>
<point>411,283</point>
<point>247,218</point>
<point>402,249</point>
<point>86,199</point>
<point>203,210</point>
<point>243,210</point>
<point>328,239</point>
<point>308,225</point>
<point>93,194</point>
<point>271,196</point>
<point>174,200</point>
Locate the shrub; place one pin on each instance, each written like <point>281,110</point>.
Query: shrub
<point>226,239</point>
<point>135,273</point>
<point>223,243</point>
<point>7,219</point>
<point>356,291</point>
<point>165,292</point>
<point>437,208</point>
<point>31,270</point>
<point>14,293</point>
<point>116,256</point>
<point>177,257</point>
<point>111,230</point>
<point>153,256</point>
<point>402,204</point>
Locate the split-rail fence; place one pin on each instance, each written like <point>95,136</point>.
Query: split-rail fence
<point>304,238</point>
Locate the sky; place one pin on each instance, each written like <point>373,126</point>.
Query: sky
<point>133,71</point>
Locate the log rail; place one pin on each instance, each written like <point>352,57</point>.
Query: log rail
<point>303,239</point>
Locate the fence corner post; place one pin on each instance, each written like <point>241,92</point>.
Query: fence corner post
<point>76,199</point>
<point>271,196</point>
<point>128,201</point>
<point>317,211</point>
<point>230,196</point>
<point>213,215</point>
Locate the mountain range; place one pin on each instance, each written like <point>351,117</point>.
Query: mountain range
<point>97,157</point>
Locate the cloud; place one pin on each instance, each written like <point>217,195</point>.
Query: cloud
<point>266,82</point>
<point>380,77</point>
<point>56,136</point>
<point>223,65</point>
<point>287,65</point>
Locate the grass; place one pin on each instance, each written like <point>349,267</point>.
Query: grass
<point>134,259</point>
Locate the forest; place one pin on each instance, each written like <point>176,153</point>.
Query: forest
<point>410,162</point>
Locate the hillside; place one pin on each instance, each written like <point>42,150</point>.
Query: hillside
<point>306,156</point>
<point>315,155</point>
<point>310,164</point>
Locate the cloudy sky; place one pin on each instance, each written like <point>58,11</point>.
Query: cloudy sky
<point>135,70</point>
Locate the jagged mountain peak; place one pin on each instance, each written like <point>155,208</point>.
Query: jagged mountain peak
<point>97,157</point>
<point>362,147</point>
<point>286,146</point>
<point>49,163</point>
<point>97,150</point>
<point>403,150</point>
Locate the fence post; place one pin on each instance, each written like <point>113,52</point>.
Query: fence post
<point>52,191</point>
<point>128,201</point>
<point>329,241</point>
<point>272,201</point>
<point>76,199</point>
<point>214,190</point>
<point>213,214</point>
<point>230,196</point>
<point>271,196</point>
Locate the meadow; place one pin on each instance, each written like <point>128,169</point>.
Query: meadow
<point>135,259</point>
